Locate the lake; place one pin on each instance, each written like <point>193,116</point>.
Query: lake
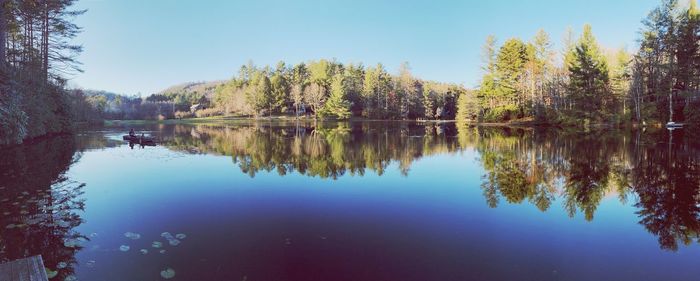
<point>355,201</point>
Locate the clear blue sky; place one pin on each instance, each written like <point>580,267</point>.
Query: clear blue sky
<point>143,46</point>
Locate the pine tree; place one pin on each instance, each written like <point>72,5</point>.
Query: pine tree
<point>279,90</point>
<point>588,77</point>
<point>510,66</point>
<point>259,95</point>
<point>337,104</point>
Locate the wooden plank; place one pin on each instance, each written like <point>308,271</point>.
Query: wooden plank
<point>6,271</point>
<point>27,269</point>
<point>37,272</point>
<point>20,270</point>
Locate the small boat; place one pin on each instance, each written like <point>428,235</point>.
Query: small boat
<point>139,139</point>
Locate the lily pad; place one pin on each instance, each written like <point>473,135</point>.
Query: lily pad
<point>167,273</point>
<point>50,273</point>
<point>74,242</point>
<point>132,235</point>
<point>124,248</point>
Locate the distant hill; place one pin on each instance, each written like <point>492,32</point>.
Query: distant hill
<point>110,96</point>
<point>205,88</point>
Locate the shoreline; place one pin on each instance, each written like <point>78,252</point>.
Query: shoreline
<point>285,119</point>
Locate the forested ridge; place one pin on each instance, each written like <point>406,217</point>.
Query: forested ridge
<point>523,80</point>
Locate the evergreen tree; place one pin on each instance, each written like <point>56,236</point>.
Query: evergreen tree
<point>510,66</point>
<point>259,95</point>
<point>337,104</point>
<point>279,92</point>
<point>588,77</point>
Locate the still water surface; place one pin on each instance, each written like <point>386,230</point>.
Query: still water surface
<point>358,201</point>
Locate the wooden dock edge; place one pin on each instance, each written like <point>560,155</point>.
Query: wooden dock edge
<point>26,269</point>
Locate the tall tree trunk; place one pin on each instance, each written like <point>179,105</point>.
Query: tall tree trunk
<point>45,41</point>
<point>3,12</point>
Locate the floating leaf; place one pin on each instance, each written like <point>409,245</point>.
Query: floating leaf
<point>162,251</point>
<point>63,223</point>
<point>124,248</point>
<point>167,273</point>
<point>50,273</point>
<point>173,242</point>
<point>144,251</point>
<point>132,235</point>
<point>74,242</point>
<point>157,244</point>
<point>180,236</point>
<point>166,235</point>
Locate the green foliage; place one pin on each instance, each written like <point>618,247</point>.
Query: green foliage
<point>467,107</point>
<point>337,104</point>
<point>428,103</point>
<point>510,65</point>
<point>588,78</point>
<point>259,96</point>
<point>502,113</point>
<point>278,94</point>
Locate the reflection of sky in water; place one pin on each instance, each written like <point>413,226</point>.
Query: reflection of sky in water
<point>433,223</point>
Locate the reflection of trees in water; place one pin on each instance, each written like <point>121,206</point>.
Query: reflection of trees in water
<point>38,204</point>
<point>537,166</point>
<point>327,150</point>
<point>582,169</point>
<point>666,178</point>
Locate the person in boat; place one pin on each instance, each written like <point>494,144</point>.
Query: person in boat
<point>132,133</point>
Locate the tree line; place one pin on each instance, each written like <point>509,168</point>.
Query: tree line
<point>583,83</point>
<point>590,84</point>
<point>327,88</point>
